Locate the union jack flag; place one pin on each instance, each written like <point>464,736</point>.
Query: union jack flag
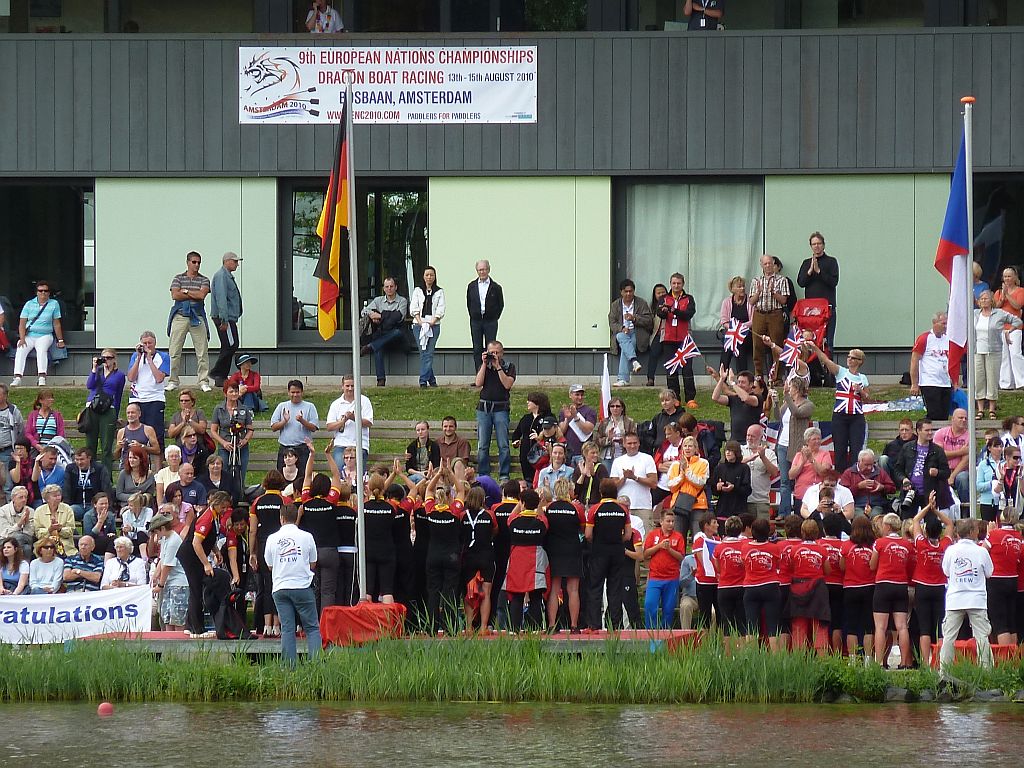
<point>735,335</point>
<point>848,400</point>
<point>687,351</point>
<point>790,348</point>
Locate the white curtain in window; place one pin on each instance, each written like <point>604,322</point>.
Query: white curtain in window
<point>708,232</point>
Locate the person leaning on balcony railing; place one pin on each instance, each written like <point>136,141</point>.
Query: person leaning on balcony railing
<point>704,15</point>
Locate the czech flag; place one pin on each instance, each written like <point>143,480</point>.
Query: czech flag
<point>332,229</point>
<point>951,261</point>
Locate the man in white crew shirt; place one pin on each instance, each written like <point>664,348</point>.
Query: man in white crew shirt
<point>341,420</point>
<point>842,496</point>
<point>148,370</point>
<point>636,474</point>
<point>929,369</point>
<point>967,566</point>
<point>291,556</point>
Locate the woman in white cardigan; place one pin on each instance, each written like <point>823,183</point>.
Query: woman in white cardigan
<point>990,329</point>
<point>427,309</point>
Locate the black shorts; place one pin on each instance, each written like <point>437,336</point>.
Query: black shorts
<point>835,604</point>
<point>478,562</point>
<point>930,607</point>
<point>785,625</point>
<point>1002,604</point>
<point>732,618</point>
<point>380,575</point>
<point>565,564</point>
<point>889,598</point>
<point>763,601</point>
<point>857,618</point>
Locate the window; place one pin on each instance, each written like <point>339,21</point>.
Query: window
<point>47,231</point>
<point>707,231</point>
<point>392,240</point>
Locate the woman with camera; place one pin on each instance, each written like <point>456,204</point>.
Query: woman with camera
<point>106,386</point>
<point>231,427</point>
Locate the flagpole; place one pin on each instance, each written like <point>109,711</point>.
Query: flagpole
<point>353,305</point>
<point>972,444</point>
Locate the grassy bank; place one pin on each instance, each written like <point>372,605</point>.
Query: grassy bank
<point>465,670</point>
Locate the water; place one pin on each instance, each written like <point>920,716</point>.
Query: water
<point>425,736</point>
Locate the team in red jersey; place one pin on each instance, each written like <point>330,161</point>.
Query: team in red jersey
<point>892,561</point>
<point>809,607</point>
<point>762,598</point>
<point>930,544</point>
<point>1006,547</point>
<point>706,574</point>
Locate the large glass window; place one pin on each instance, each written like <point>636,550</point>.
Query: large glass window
<point>707,231</point>
<point>47,231</point>
<point>392,242</point>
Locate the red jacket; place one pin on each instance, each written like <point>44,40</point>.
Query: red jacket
<point>677,314</point>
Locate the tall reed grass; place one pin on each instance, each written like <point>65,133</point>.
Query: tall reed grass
<point>505,670</point>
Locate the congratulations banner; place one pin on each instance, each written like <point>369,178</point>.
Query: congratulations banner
<point>391,85</point>
<point>55,618</point>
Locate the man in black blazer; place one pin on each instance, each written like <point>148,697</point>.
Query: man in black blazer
<point>485,303</point>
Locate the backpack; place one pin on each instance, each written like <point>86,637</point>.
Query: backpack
<point>228,620</point>
<point>649,439</point>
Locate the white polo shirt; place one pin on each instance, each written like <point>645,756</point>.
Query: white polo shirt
<point>289,553</point>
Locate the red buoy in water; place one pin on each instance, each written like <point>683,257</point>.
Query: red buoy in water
<point>105,709</point>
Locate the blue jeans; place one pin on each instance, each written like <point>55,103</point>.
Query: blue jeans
<point>486,422</point>
<point>243,462</point>
<point>301,602</point>
<point>81,511</point>
<point>427,355</point>
<point>664,594</point>
<point>627,353</point>
<point>378,345</point>
<point>962,486</point>
<point>785,484</point>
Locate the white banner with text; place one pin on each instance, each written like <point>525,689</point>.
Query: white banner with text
<point>282,86</point>
<point>56,618</point>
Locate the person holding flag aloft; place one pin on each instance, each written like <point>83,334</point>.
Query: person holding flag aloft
<point>849,428</point>
<point>734,318</point>
<point>677,308</point>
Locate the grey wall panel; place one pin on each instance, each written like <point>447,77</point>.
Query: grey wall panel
<point>586,103</point>
<point>658,76</point>
<point>846,126</point>
<point>620,103</point>
<point>604,105</point>
<point>999,119</point>
<point>175,54</point>
<point>810,112</point>
<point>772,76</point>
<point>789,136</point>
<point>121,107</point>
<point>828,102</point>
<point>867,103</point>
<point>639,105</point>
<point>905,88</point>
<point>43,87</point>
<point>138,113</point>
<point>63,105</point>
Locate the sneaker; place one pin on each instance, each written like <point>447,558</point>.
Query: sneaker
<point>637,366</point>
<point>692,405</point>
<point>16,381</point>
<point>620,383</point>
<point>206,387</point>
<point>170,386</point>
<point>41,381</point>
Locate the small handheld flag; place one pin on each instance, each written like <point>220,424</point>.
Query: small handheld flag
<point>790,349</point>
<point>606,389</point>
<point>687,351</point>
<point>735,335</point>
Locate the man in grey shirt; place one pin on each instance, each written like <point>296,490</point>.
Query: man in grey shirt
<point>386,315</point>
<point>296,420</point>
<point>12,425</point>
<point>225,310</point>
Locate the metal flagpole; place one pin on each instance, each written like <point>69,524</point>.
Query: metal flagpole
<point>353,304</point>
<point>972,464</point>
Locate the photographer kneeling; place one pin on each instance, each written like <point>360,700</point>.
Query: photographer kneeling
<point>231,427</point>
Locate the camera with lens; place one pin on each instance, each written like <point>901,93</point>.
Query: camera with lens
<point>98,359</point>
<point>238,419</point>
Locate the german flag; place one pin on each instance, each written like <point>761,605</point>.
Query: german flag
<point>333,220</point>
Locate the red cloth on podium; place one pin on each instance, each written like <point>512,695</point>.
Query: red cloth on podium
<point>362,623</point>
<point>969,649</point>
